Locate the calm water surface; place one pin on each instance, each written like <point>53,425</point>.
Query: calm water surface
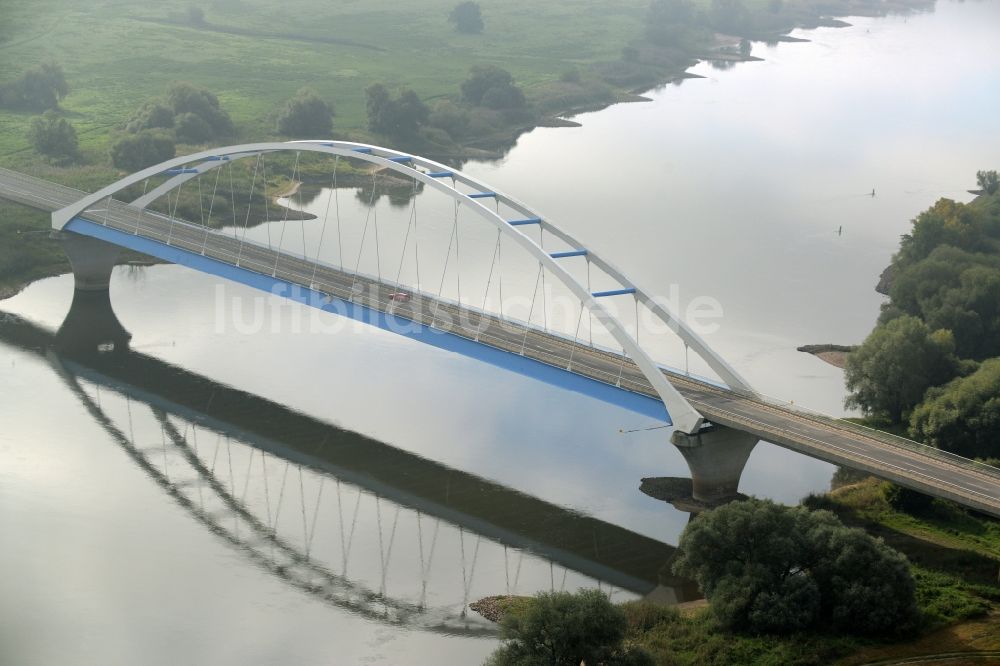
<point>125,547</point>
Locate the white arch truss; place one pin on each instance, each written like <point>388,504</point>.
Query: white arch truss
<point>446,180</point>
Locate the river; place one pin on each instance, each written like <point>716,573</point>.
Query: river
<point>374,510</point>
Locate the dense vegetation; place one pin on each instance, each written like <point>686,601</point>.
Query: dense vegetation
<point>54,137</point>
<point>931,364</point>
<point>564,629</point>
<point>770,568</point>
<point>949,575</point>
<point>306,115</point>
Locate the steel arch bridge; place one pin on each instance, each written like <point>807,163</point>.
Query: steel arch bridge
<point>135,225</point>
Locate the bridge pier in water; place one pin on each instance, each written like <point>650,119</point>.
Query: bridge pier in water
<point>716,457</point>
<point>91,324</point>
<point>92,260</point>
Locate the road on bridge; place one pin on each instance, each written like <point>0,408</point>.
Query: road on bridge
<point>826,438</point>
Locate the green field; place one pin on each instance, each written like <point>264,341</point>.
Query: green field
<point>118,54</point>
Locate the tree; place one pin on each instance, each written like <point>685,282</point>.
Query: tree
<point>186,98</point>
<point>53,136</point>
<point>450,117</point>
<point>189,128</point>
<point>306,114</point>
<point>150,115</point>
<point>771,568</point>
<point>560,628</point>
<point>989,181</point>
<point>945,223</point>
<point>40,88</point>
<point>889,373</point>
<point>467,17</point>
<point>489,85</point>
<point>956,290</point>
<point>400,118</point>
<point>964,415</point>
<point>144,149</point>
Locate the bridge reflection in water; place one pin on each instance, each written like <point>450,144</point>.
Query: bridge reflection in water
<point>362,525</point>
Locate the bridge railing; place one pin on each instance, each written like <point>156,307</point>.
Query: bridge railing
<point>885,437</point>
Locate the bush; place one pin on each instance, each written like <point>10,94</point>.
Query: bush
<point>186,98</point>
<point>449,117</point>
<point>561,628</point>
<point>53,137</point>
<point>770,568</point>
<point>306,114</point>
<point>151,115</point>
<point>189,128</point>
<point>963,416</point>
<point>38,89</point>
<point>400,117</point>
<point>989,181</point>
<point>491,86</point>
<point>141,150</point>
<point>889,373</point>
<point>467,17</point>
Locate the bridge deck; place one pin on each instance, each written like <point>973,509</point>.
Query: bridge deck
<point>826,438</point>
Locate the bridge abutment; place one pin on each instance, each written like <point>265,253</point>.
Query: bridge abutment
<point>716,457</point>
<point>92,260</point>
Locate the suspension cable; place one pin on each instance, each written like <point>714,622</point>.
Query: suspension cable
<point>636,319</point>
<point>211,207</point>
<point>621,368</point>
<point>458,259</point>
<point>284,220</point>
<point>177,201</point>
<point>378,249</point>
<point>201,202</point>
<point>416,235</point>
<point>406,239</point>
<point>545,308</point>
<point>232,194</point>
<point>336,198</point>
<point>364,234</point>
<point>590,314</point>
<point>576,334</point>
<point>447,257</point>
<point>322,233</point>
<point>489,278</point>
<point>524,341</point>
<point>138,218</point>
<point>267,201</point>
<point>246,222</point>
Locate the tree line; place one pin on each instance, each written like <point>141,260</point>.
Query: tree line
<point>931,366</point>
<point>193,115</point>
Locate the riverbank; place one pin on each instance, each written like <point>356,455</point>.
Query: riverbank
<point>835,355</point>
<point>955,559</point>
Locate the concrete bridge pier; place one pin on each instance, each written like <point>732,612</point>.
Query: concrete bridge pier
<point>716,457</point>
<point>91,324</point>
<point>92,260</point>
